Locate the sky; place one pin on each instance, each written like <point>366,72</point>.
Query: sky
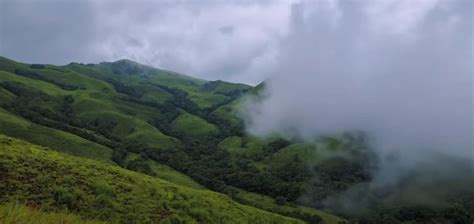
<point>211,39</point>
<point>236,40</point>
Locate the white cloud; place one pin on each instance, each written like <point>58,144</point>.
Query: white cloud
<point>400,70</point>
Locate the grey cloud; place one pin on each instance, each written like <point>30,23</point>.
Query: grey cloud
<point>345,67</point>
<point>185,36</point>
<point>47,31</point>
<point>227,30</point>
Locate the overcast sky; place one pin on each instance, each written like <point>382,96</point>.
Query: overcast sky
<point>230,40</point>
<point>233,40</point>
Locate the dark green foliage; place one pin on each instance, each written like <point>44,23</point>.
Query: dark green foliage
<point>455,213</point>
<point>210,86</point>
<point>226,127</point>
<point>21,90</point>
<point>293,171</point>
<point>274,147</point>
<point>118,156</point>
<point>181,100</point>
<point>65,197</point>
<point>141,164</point>
<point>39,76</point>
<point>460,212</point>
<point>334,176</point>
<point>37,66</point>
<point>341,173</point>
<point>310,219</point>
<point>215,169</point>
<point>127,67</point>
<point>277,144</point>
<point>125,89</point>
<point>66,108</point>
<point>233,93</point>
<point>30,105</point>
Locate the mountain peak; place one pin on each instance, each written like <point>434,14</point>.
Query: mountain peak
<point>127,66</point>
<point>126,61</point>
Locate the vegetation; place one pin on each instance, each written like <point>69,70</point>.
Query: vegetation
<point>14,214</point>
<point>156,142</point>
<point>264,202</point>
<point>43,178</point>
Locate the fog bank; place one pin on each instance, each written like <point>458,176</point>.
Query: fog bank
<point>401,71</point>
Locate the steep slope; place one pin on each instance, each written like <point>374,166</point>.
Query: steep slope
<point>54,181</point>
<point>15,126</point>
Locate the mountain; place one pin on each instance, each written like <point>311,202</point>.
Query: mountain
<point>170,128</point>
<point>128,143</point>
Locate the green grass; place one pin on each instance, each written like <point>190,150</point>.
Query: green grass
<point>307,152</point>
<point>194,126</point>
<point>232,144</point>
<point>167,173</point>
<point>92,103</point>
<point>250,146</point>
<point>232,112</point>
<point>97,99</point>
<point>227,113</point>
<point>206,100</point>
<point>6,96</point>
<point>154,94</point>
<point>18,127</point>
<point>310,153</point>
<point>268,203</point>
<point>56,182</point>
<point>131,127</point>
<point>221,87</point>
<point>14,213</point>
<point>46,87</point>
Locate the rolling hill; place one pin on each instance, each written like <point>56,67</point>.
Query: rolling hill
<point>122,142</point>
<point>125,115</point>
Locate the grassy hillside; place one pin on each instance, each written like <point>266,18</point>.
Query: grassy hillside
<point>16,214</point>
<point>147,120</point>
<point>270,204</point>
<point>158,141</point>
<point>193,126</point>
<point>18,127</point>
<point>162,171</point>
<point>53,181</point>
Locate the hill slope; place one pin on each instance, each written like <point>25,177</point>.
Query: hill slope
<point>15,214</point>
<point>91,189</point>
<point>150,132</point>
<point>144,119</point>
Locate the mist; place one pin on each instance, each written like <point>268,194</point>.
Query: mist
<point>400,71</point>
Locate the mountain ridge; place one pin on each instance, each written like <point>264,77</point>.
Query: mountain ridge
<point>158,126</point>
<point>155,123</point>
